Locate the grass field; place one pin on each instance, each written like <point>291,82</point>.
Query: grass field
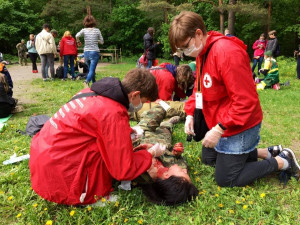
<point>264,202</point>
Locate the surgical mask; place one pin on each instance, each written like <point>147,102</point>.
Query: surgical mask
<point>133,108</point>
<point>193,51</point>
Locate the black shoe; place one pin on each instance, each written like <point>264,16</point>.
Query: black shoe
<point>293,168</point>
<point>73,78</point>
<point>275,150</point>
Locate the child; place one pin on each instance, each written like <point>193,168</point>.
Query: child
<point>7,103</point>
<point>271,73</point>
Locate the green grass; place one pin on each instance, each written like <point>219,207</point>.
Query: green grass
<point>264,202</point>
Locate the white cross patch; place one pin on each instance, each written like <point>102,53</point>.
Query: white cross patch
<point>207,81</point>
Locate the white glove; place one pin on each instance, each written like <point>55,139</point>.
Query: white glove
<point>212,138</point>
<point>189,125</point>
<point>138,132</point>
<point>125,185</point>
<point>157,150</point>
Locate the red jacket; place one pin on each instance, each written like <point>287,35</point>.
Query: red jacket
<point>229,92</point>
<point>259,51</point>
<point>166,82</point>
<point>82,148</point>
<point>68,46</point>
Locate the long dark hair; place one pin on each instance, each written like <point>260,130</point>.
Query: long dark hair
<point>172,191</point>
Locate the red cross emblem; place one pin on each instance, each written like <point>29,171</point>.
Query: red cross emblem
<point>207,81</point>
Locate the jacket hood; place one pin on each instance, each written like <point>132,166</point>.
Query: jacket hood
<point>213,36</point>
<point>68,37</point>
<point>147,37</point>
<point>170,67</point>
<point>112,88</point>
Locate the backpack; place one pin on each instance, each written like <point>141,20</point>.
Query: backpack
<point>59,72</point>
<point>277,50</point>
<point>34,125</point>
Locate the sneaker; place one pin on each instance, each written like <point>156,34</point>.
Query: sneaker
<point>294,168</point>
<point>276,87</point>
<point>85,84</point>
<point>64,79</point>
<point>275,150</point>
<point>45,79</point>
<point>73,78</point>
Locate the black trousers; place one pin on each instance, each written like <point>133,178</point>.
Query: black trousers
<point>237,170</point>
<point>33,57</point>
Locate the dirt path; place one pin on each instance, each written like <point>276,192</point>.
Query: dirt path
<point>22,77</point>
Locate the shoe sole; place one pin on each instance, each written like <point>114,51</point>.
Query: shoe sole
<point>294,160</point>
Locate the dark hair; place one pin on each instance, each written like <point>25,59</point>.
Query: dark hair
<point>262,35</point>
<point>151,31</point>
<point>184,76</point>
<point>141,80</point>
<point>172,191</point>
<point>272,32</point>
<point>89,21</point>
<point>46,25</point>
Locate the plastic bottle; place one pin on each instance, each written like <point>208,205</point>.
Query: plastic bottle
<point>14,159</point>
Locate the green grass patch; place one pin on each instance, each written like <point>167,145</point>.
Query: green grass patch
<point>264,202</point>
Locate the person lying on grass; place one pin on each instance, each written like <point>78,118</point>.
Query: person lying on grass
<point>87,142</point>
<point>167,180</point>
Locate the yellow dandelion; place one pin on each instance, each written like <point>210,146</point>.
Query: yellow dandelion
<point>197,179</point>
<point>243,199</point>
<point>35,205</point>
<point>245,206</point>
<point>72,213</point>
<point>204,191</point>
<point>49,222</point>
<point>262,195</point>
<point>125,220</point>
<point>11,125</point>
<point>250,202</point>
<point>195,172</point>
<point>237,202</point>
<point>221,205</point>
<point>140,221</point>
<point>231,223</point>
<point>30,188</point>
<point>89,208</point>
<point>10,198</point>
<point>217,195</point>
<point>219,221</point>
<point>201,193</point>
<point>103,199</point>
<point>247,186</point>
<point>219,188</point>
<point>117,204</point>
<point>45,209</point>
<point>1,192</point>
<point>231,211</point>
<point>19,215</point>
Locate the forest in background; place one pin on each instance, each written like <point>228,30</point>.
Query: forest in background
<point>124,22</point>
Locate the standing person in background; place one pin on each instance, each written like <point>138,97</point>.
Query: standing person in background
<point>272,44</point>
<point>92,37</point>
<point>230,105</point>
<point>149,46</point>
<point>297,56</point>
<point>227,33</point>
<point>68,50</point>
<point>177,57</point>
<point>46,48</point>
<point>21,47</point>
<point>259,47</point>
<point>32,52</point>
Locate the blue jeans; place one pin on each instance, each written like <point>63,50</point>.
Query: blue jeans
<point>66,61</point>
<point>259,61</point>
<point>91,59</point>
<point>149,63</point>
<point>241,143</point>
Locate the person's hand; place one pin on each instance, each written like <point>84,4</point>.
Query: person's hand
<point>212,137</point>
<point>145,146</point>
<point>138,131</point>
<point>158,43</point>
<point>79,43</point>
<point>189,125</point>
<point>54,55</point>
<point>157,150</point>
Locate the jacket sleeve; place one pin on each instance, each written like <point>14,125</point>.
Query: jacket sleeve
<point>75,47</point>
<point>79,34</point>
<point>236,74</point>
<point>255,46</point>
<point>29,46</point>
<point>190,105</point>
<point>100,38</point>
<point>274,46</point>
<point>52,44</point>
<point>116,148</point>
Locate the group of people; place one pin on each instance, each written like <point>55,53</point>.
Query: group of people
<point>88,142</point>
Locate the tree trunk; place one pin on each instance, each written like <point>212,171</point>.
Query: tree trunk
<point>166,15</point>
<point>269,15</point>
<point>231,17</point>
<point>221,18</point>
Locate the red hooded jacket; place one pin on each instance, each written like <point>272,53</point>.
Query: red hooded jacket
<point>229,92</point>
<point>166,81</point>
<point>83,146</point>
<point>68,46</point>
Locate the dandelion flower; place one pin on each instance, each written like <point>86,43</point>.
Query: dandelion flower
<point>49,222</point>
<point>117,204</point>
<point>221,205</point>
<point>262,195</point>
<point>35,205</point>
<point>250,202</point>
<point>217,195</point>
<point>237,202</point>
<point>19,215</point>
<point>195,172</point>
<point>45,209</point>
<point>140,221</point>
<point>1,192</point>
<point>125,220</point>
<point>197,179</point>
<point>72,213</point>
<point>243,199</point>
<point>219,188</point>
<point>10,198</point>
<point>245,206</point>
<point>231,211</point>
<point>89,208</point>
<point>103,199</point>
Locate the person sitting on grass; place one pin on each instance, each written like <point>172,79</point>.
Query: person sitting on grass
<point>7,103</point>
<point>167,180</point>
<point>270,72</point>
<point>6,73</point>
<point>171,79</point>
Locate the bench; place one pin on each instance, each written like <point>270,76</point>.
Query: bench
<point>115,54</point>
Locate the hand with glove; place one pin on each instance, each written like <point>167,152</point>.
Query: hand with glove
<point>138,132</point>
<point>189,125</point>
<point>157,150</point>
<point>212,137</point>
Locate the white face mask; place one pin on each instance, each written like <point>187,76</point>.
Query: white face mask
<point>193,51</point>
<point>133,108</point>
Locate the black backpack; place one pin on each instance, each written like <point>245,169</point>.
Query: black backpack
<point>34,125</point>
<point>59,72</point>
